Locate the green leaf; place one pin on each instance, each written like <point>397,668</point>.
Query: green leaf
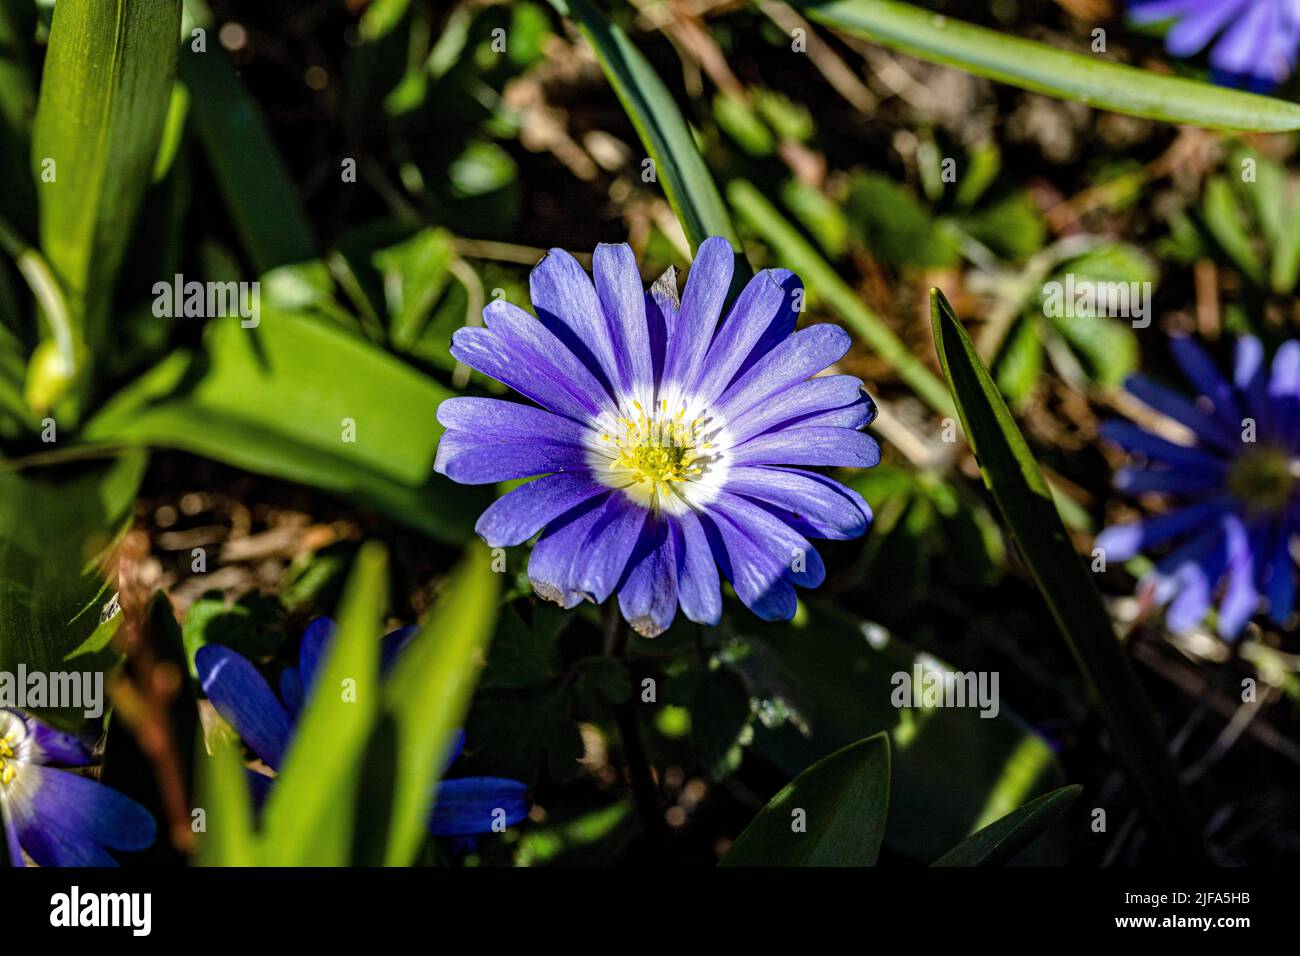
<point>229,839</point>
<point>952,769</point>
<point>894,226</point>
<point>258,191</point>
<point>679,166</point>
<point>842,801</point>
<point>310,814</point>
<point>1044,69</point>
<point>429,693</point>
<point>1001,841</point>
<point>104,96</point>
<point>17,107</point>
<point>1226,220</point>
<point>797,254</point>
<point>1025,501</point>
<point>57,527</point>
<point>278,400</point>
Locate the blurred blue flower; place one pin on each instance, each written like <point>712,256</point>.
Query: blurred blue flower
<point>61,818</point>
<point>465,806</point>
<point>660,435</point>
<point>1256,39</point>
<point>1237,488</point>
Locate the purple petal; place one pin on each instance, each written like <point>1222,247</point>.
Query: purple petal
<point>799,357</point>
<point>1121,542</point>
<point>567,306</point>
<point>1187,480</point>
<point>392,644</point>
<point>1201,371</point>
<point>1278,579</point>
<point>791,550</point>
<point>662,307</point>
<point>1133,439</point>
<point>316,637</point>
<point>549,566</point>
<point>519,351</point>
<point>827,507</point>
<point>1240,598</point>
<point>751,316</point>
<point>476,459</point>
<point>509,420</point>
<point>242,696</point>
<point>519,515</point>
<point>758,577</point>
<point>780,328</point>
<point>84,810</point>
<point>1175,406</point>
<point>473,805</point>
<point>58,747</point>
<point>623,302</point>
<point>698,587</point>
<point>1194,32</point>
<point>797,402</point>
<point>813,445</point>
<point>598,565</point>
<point>706,290</point>
<point>648,599</point>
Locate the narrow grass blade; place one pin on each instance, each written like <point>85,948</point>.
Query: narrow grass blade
<point>1001,840</point>
<point>678,164</point>
<point>429,693</point>
<point>1035,66</point>
<point>1023,497</point>
<point>310,815</point>
<point>1038,66</point>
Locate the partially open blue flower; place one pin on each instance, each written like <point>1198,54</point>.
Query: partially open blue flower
<point>1256,40</point>
<point>666,440</point>
<point>61,818</point>
<point>464,807</point>
<point>1237,487</point>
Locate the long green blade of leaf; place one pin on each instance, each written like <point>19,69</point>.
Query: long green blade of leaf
<point>832,814</point>
<point>228,836</point>
<point>797,254</point>
<point>429,692</point>
<point>258,191</point>
<point>1044,69</point>
<point>1022,495</point>
<point>678,163</point>
<point>1001,840</point>
<point>304,400</point>
<point>310,814</point>
<point>104,95</point>
<point>17,107</point>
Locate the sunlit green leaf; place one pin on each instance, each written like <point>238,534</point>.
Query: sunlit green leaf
<point>104,95</point>
<point>832,814</point>
<point>312,809</point>
<point>429,693</point>
<point>1036,66</point>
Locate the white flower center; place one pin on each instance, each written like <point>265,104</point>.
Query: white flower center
<point>670,458</point>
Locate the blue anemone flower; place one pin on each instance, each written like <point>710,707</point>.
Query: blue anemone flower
<point>1256,39</point>
<point>1237,487</point>
<point>465,806</point>
<point>61,818</point>
<point>666,440</point>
